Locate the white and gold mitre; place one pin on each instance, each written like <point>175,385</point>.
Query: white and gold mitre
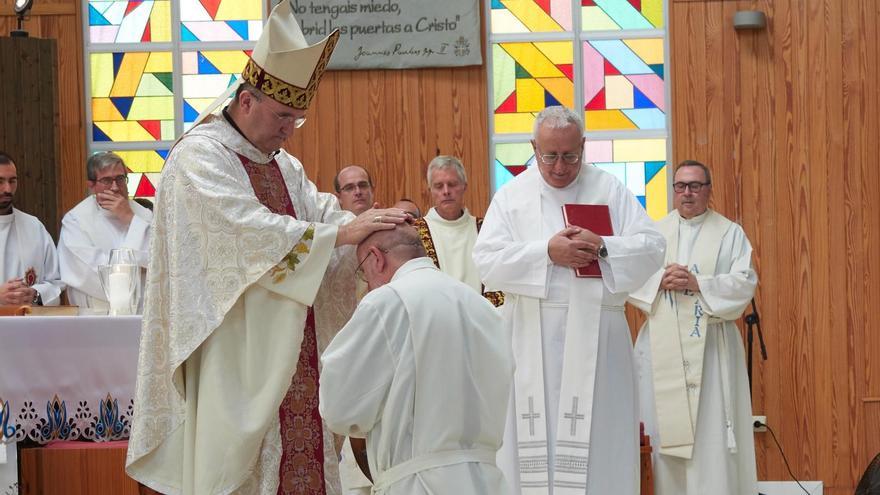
<point>283,65</point>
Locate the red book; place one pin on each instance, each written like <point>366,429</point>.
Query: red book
<point>595,218</point>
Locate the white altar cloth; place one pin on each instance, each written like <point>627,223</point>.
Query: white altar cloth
<point>65,378</point>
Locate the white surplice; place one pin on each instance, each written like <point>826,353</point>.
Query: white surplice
<point>454,243</point>
<point>423,370</point>
<point>723,460</point>
<point>25,244</point>
<point>571,340</point>
<point>88,233</point>
<point>227,295</point>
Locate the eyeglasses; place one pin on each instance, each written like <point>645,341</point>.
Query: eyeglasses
<point>550,158</point>
<point>287,119</point>
<point>359,271</point>
<point>695,187</point>
<point>120,180</point>
<point>349,188</point>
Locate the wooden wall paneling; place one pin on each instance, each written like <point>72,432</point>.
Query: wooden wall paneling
<point>854,123</point>
<point>795,162</point>
<point>757,151</point>
<point>816,235</point>
<point>869,369</point>
<point>29,131</point>
<point>393,123</point>
<point>60,20</point>
<point>71,88</point>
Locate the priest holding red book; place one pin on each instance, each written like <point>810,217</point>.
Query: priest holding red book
<point>572,426</point>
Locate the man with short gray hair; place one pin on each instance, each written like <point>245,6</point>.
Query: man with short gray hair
<point>107,219</point>
<point>573,425</point>
<point>448,231</point>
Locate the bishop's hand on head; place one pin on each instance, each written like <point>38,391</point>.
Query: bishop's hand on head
<point>368,222</point>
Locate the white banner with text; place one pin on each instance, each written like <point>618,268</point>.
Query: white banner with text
<point>395,34</point>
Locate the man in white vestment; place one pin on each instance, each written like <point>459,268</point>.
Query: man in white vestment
<point>423,370</point>
<point>694,391</point>
<point>354,188</point>
<point>572,427</point>
<point>448,231</point>
<point>107,219</point>
<point>227,388</point>
<point>29,267</point>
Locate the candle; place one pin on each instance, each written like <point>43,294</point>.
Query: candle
<point>119,293</point>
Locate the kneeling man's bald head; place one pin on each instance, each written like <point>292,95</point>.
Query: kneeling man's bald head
<point>384,251</point>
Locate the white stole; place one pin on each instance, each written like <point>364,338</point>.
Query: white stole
<point>574,416</point>
<point>678,337</point>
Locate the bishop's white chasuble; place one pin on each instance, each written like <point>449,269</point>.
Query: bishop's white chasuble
<point>226,399</point>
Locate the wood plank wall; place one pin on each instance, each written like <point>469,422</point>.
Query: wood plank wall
<point>60,20</point>
<point>393,122</point>
<point>788,119</point>
<point>29,122</point>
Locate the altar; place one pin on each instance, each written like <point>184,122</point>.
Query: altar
<point>64,378</point>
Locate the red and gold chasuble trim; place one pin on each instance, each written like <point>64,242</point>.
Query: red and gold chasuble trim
<point>302,439</point>
<point>421,225</point>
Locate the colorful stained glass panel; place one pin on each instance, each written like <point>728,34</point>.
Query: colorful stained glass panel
<point>530,16</point>
<point>206,74</point>
<point>145,167</point>
<point>132,97</point>
<point>510,160</point>
<point>528,77</point>
<point>615,15</point>
<point>221,20</point>
<point>623,84</point>
<point>124,21</point>
<point>640,164</point>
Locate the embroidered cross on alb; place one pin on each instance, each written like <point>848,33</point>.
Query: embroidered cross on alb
<point>531,416</point>
<point>573,415</point>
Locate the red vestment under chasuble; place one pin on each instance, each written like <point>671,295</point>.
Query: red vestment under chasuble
<point>302,445</point>
<point>227,394</point>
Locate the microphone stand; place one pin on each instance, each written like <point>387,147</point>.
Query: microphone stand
<point>753,320</point>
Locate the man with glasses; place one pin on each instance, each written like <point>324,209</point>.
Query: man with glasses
<point>572,425</point>
<point>694,391</point>
<point>423,371</point>
<point>245,288</point>
<point>28,260</point>
<point>107,219</point>
<point>354,188</point>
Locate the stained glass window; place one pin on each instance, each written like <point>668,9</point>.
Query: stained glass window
<point>123,21</point>
<point>605,57</point>
<point>144,168</point>
<point>132,97</point>
<point>623,84</point>
<point>153,65</point>
<point>518,16</point>
<point>528,77</point>
<point>640,164</point>
<point>510,160</point>
<point>206,74</point>
<point>220,20</point>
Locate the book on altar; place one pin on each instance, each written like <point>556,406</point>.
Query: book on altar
<point>595,218</point>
